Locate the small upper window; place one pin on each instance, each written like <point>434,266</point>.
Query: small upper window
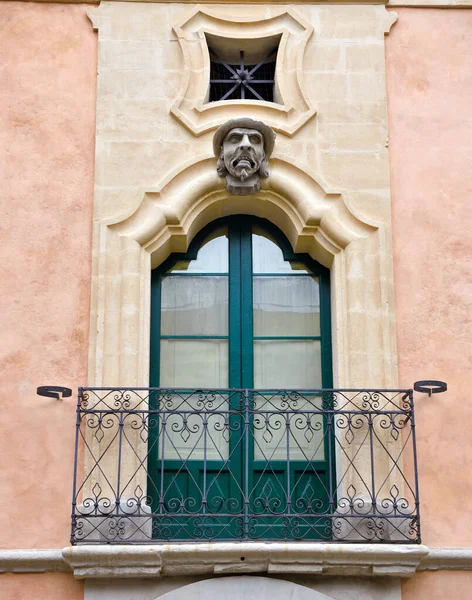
<point>242,69</point>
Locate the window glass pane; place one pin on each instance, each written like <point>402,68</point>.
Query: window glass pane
<point>286,306</point>
<point>267,257</point>
<point>281,364</point>
<point>194,364</point>
<point>194,430</point>
<point>212,256</point>
<point>306,429</point>
<point>194,305</point>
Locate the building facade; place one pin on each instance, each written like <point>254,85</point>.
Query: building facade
<point>239,233</point>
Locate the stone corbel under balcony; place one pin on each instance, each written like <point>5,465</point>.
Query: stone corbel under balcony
<point>151,561</point>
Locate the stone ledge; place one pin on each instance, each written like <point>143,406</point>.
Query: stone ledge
<point>32,561</point>
<point>152,561</point>
<point>446,559</point>
<point>244,557</point>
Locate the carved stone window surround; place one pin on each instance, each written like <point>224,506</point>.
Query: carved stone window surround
<point>191,107</point>
<point>153,194</point>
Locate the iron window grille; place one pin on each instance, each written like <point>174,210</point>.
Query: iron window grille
<point>242,81</point>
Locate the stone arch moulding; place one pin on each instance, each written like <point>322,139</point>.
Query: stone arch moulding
<point>316,221</point>
<point>252,588</point>
<point>199,117</point>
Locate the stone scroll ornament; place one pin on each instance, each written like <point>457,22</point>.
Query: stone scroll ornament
<point>243,148</point>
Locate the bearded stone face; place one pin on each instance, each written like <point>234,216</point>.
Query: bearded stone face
<point>243,147</point>
<point>243,152</point>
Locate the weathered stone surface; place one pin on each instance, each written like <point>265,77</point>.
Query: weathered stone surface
<point>243,148</point>
<point>299,558</point>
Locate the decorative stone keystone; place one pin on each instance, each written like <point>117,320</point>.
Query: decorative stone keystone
<point>243,148</point>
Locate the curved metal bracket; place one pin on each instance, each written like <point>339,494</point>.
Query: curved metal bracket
<point>430,386</point>
<point>54,391</point>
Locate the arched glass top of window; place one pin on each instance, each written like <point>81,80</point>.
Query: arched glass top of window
<point>212,255</point>
<point>268,257</point>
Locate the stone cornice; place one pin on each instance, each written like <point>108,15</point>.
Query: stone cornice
<point>445,559</point>
<point>219,558</point>
<point>153,561</point>
<point>32,561</point>
<point>244,557</point>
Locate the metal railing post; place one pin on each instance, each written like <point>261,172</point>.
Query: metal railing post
<point>76,458</point>
<point>246,463</point>
<point>415,464</point>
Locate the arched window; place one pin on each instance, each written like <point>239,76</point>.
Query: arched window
<point>242,314</point>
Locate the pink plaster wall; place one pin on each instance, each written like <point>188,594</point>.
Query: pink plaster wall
<point>429,77</point>
<point>47,129</point>
<point>437,586</point>
<point>40,587</point>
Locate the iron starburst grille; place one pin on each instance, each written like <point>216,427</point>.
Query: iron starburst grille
<point>156,464</point>
<point>242,81</point>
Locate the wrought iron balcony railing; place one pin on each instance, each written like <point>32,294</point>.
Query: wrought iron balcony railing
<point>178,465</point>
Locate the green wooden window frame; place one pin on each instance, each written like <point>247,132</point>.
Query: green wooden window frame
<point>240,335</point>
<point>241,356</point>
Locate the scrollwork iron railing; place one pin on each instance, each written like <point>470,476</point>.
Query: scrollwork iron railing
<point>177,465</point>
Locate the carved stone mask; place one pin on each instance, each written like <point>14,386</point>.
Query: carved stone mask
<point>243,152</point>
<point>243,147</point>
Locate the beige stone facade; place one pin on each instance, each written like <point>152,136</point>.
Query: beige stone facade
<point>333,204</point>
<point>156,184</point>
